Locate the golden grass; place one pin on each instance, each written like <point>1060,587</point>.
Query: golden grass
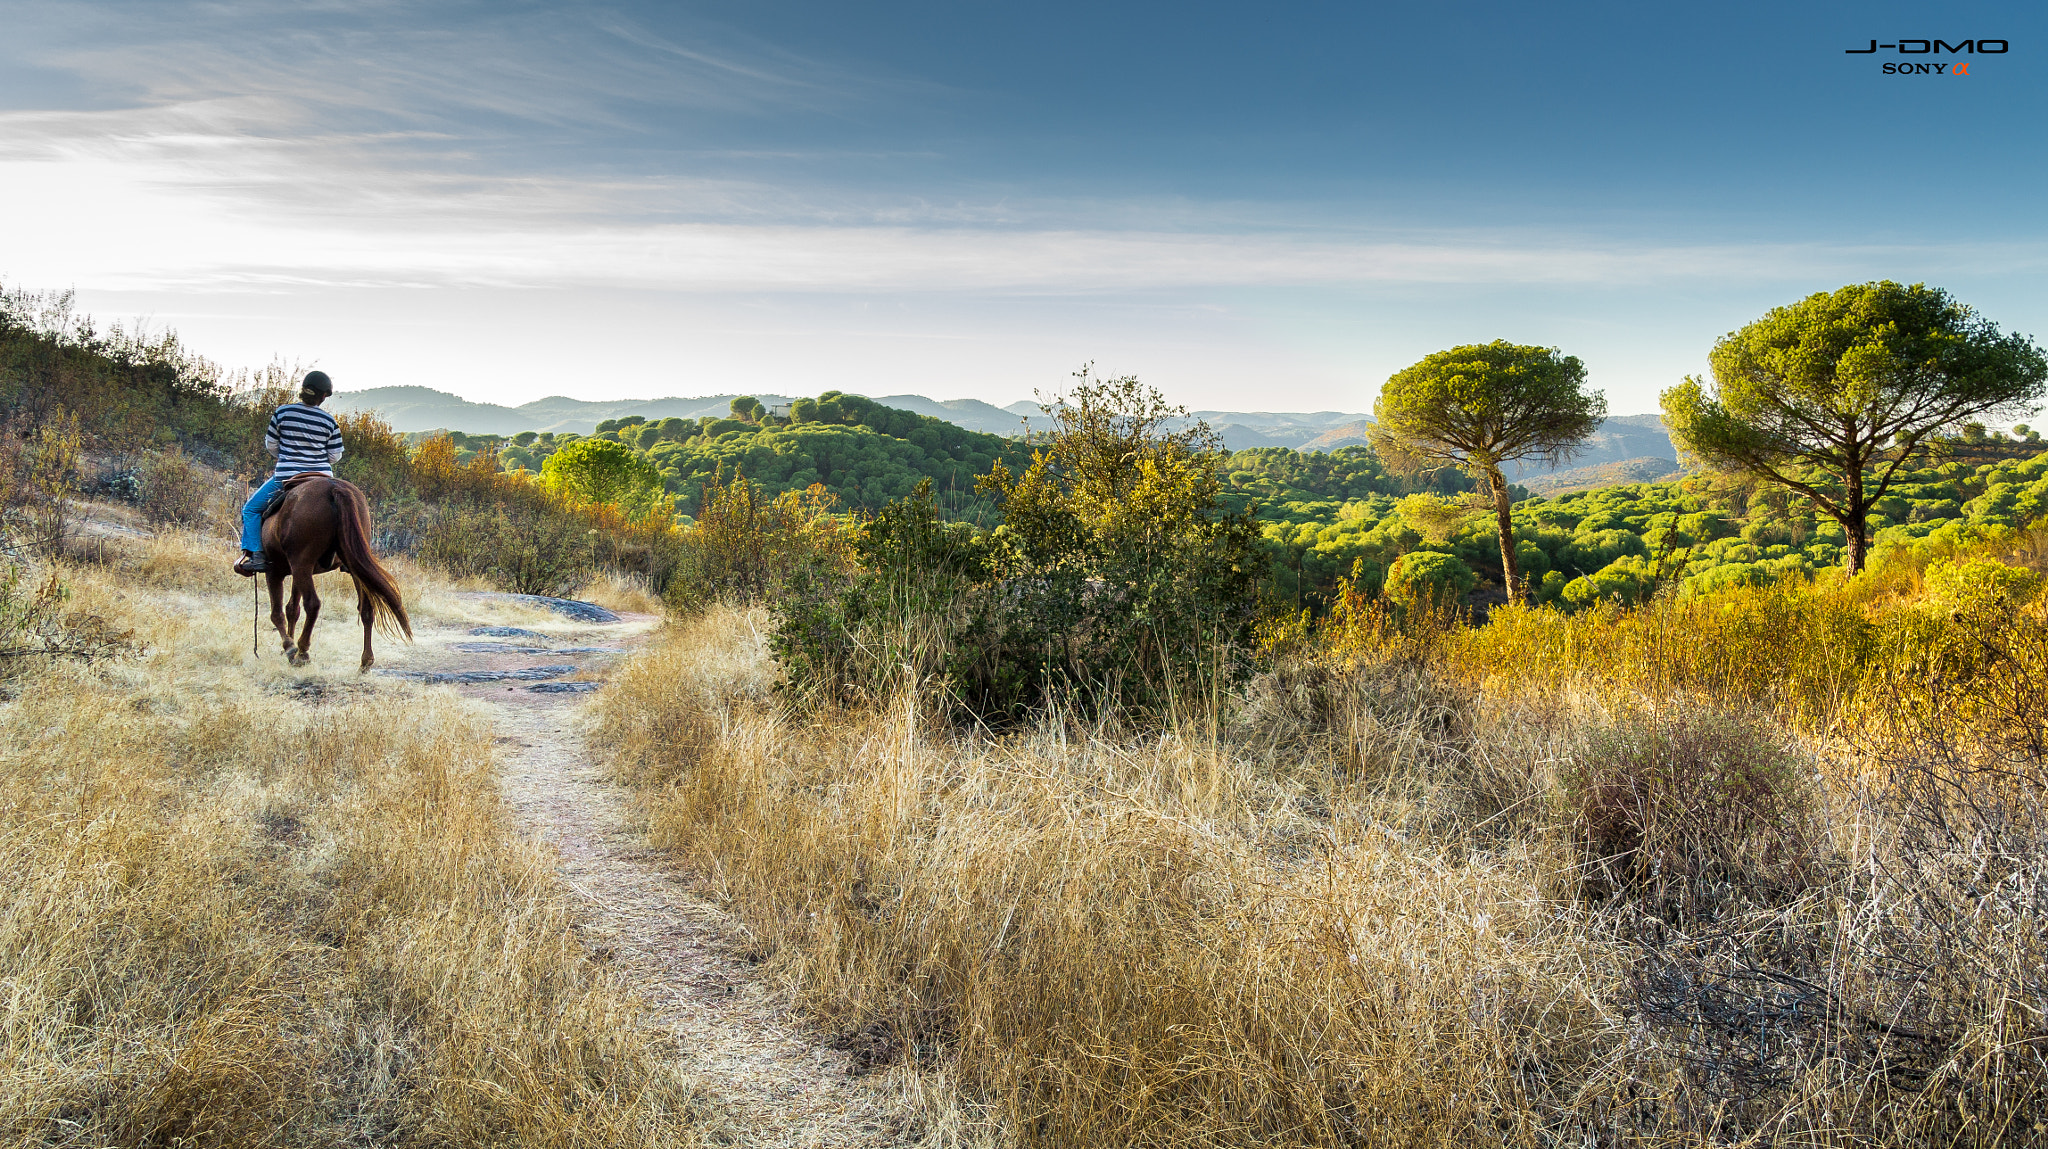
<point>623,593</point>
<point>251,906</point>
<point>1358,909</point>
<point>1123,939</point>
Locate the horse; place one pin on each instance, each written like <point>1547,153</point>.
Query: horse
<point>320,524</point>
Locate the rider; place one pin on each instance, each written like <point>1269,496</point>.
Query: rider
<point>306,441</point>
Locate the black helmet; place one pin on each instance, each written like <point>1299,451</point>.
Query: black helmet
<point>318,383</point>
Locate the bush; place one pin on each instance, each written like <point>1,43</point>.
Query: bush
<point>1431,573</point>
<point>38,472</point>
<point>746,547</point>
<point>1114,577</point>
<point>522,549</point>
<point>172,489</point>
<point>1980,582</point>
<point>905,614</point>
<point>1686,806</point>
<point>601,471</point>
<point>1726,575</point>
<point>374,457</point>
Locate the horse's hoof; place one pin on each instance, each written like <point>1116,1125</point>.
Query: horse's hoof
<point>298,659</point>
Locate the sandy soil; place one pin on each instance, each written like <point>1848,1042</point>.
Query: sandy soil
<point>768,1080</point>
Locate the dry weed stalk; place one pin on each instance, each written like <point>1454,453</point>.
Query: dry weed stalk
<point>1383,905</point>
<point>251,908</point>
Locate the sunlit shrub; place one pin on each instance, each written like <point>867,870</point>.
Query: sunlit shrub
<point>1430,573</point>
<point>1979,582</point>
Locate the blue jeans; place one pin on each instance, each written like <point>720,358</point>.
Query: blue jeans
<point>252,512</point>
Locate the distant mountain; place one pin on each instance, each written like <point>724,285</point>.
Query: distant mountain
<point>1622,438</point>
<point>1348,435</point>
<point>1243,430</point>
<point>1647,469</point>
<point>972,414</point>
<point>425,409</point>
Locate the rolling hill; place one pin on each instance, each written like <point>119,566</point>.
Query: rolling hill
<point>1622,438</point>
<point>425,409</point>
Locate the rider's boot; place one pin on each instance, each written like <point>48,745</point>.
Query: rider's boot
<point>252,564</point>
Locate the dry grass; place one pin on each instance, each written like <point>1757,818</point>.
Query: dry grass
<point>249,906</point>
<point>623,593</point>
<point>1121,938</point>
<point>1389,904</point>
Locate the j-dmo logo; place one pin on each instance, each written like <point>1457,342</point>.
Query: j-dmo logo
<point>1931,48</point>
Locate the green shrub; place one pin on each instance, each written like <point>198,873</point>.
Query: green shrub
<point>905,615</point>
<point>1973,583</point>
<point>1115,577</point>
<point>522,549</point>
<point>1726,575</point>
<point>746,546</point>
<point>1431,574</point>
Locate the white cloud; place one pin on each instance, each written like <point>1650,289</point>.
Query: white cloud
<point>193,205</point>
<point>351,145</point>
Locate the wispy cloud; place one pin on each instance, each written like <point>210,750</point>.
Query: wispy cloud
<point>270,144</point>
<point>570,65</point>
<point>188,196</point>
<point>221,152</point>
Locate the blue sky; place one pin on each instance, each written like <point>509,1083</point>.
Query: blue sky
<point>1250,206</point>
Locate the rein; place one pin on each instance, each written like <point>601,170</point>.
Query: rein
<point>255,619</point>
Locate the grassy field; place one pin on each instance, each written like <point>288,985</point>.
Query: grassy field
<point>251,906</point>
<point>1755,868</point>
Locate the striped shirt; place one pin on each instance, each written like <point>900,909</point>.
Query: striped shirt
<point>304,439</point>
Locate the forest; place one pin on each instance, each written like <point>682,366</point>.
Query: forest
<point>1341,514</point>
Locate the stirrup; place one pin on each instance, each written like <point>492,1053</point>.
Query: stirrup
<point>251,564</point>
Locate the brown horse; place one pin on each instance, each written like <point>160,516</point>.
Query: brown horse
<point>320,524</point>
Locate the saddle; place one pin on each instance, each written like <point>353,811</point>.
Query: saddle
<point>286,488</point>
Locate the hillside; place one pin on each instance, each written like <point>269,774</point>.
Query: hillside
<point>410,409</point>
<point>1644,469</point>
<point>425,409</point>
<point>1603,529</point>
<point>415,409</point>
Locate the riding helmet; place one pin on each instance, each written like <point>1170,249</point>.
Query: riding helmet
<point>318,383</point>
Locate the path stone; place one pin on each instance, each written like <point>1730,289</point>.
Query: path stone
<point>588,612</point>
<point>446,677</point>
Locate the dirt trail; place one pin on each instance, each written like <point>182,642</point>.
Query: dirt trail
<point>768,1081</point>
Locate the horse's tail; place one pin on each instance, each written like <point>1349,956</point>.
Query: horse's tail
<point>352,540</point>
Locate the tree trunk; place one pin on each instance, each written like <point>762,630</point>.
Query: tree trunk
<point>1856,524</point>
<point>1499,485</point>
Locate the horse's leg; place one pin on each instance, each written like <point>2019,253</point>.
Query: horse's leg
<point>302,587</point>
<point>367,607</point>
<point>276,579</point>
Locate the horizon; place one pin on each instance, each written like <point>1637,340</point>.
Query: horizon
<point>933,398</point>
<point>792,197</point>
